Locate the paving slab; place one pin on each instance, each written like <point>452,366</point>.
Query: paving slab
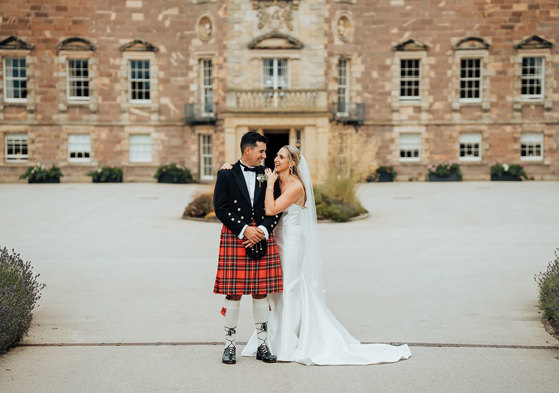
<point>434,264</point>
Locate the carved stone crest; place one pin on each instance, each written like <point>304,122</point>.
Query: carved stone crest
<point>275,14</point>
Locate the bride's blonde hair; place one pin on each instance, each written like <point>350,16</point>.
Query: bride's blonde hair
<point>294,158</point>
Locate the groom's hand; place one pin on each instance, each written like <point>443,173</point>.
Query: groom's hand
<point>252,236</point>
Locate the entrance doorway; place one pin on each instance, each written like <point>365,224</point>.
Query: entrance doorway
<point>276,140</point>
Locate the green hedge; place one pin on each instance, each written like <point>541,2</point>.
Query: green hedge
<point>336,199</point>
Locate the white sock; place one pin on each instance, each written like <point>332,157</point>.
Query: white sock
<point>260,308</point>
<point>231,314</point>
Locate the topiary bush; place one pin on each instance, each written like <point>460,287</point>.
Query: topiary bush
<point>336,199</point>
<point>19,293</point>
<point>201,206</point>
<point>548,283</point>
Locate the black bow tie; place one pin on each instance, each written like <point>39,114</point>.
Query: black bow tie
<point>246,168</point>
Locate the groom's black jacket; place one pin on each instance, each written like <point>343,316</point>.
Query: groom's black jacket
<point>232,202</point>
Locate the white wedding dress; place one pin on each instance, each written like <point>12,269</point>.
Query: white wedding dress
<point>301,328</point>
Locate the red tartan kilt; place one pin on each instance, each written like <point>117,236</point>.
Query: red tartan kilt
<point>237,274</point>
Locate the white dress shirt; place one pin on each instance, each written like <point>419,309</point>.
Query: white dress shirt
<point>250,180</point>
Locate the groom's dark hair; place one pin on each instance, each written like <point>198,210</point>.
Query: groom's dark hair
<point>250,138</point>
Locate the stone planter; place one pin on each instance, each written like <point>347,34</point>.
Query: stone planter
<point>505,177</point>
<point>384,177</point>
<point>167,178</point>
<point>452,177</point>
<point>106,181</point>
<point>30,181</point>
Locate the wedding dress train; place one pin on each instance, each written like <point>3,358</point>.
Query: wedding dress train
<point>301,328</point>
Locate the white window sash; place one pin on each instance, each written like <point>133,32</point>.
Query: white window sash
<point>410,143</point>
<point>79,143</point>
<point>531,141</point>
<point>539,76</point>
<point>140,148</point>
<point>410,78</point>
<point>142,80</point>
<point>206,80</point>
<point>479,79</point>
<point>71,79</point>
<point>343,86</point>
<point>470,139</point>
<point>206,157</point>
<point>9,80</point>
<point>12,139</point>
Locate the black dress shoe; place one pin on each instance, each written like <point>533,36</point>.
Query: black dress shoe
<point>264,354</point>
<point>230,355</point>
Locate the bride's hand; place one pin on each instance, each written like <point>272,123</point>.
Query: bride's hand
<point>226,166</point>
<point>271,177</point>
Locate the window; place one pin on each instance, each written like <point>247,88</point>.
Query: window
<point>410,145</point>
<point>532,78</point>
<point>140,148</point>
<point>470,147</point>
<point>16,147</point>
<point>78,79</point>
<point>275,74</point>
<point>275,78</point>
<point>139,81</point>
<point>343,90</point>
<point>15,79</point>
<point>206,157</point>
<point>409,79</point>
<point>470,80</point>
<point>531,146</point>
<point>79,147</point>
<point>207,87</point>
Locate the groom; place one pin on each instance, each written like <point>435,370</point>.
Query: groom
<point>239,205</point>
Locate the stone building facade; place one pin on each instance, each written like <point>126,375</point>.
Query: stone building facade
<point>354,83</point>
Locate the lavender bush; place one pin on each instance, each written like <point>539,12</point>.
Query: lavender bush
<point>548,282</point>
<point>19,293</point>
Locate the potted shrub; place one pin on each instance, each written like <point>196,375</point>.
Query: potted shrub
<point>384,173</point>
<point>106,174</point>
<point>40,174</point>
<point>445,171</point>
<point>504,172</point>
<point>173,173</point>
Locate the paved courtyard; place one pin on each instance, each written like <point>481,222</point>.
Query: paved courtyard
<point>128,307</point>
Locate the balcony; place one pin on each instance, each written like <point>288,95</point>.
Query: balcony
<point>200,113</point>
<point>350,112</point>
<point>276,101</point>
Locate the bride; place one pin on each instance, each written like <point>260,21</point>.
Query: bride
<point>301,328</point>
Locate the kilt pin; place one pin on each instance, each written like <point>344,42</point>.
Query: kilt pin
<point>238,274</point>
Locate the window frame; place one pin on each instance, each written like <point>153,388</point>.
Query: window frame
<point>204,88</point>
<point>341,86</point>
<point>479,79</point>
<point>477,138</point>
<point>133,158</point>
<point>533,97</point>
<point>408,135</point>
<point>418,78</point>
<point>79,159</point>
<point>204,155</point>
<point>8,79</point>
<point>540,141</point>
<point>71,98</point>
<point>14,158</point>
<point>130,81</point>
